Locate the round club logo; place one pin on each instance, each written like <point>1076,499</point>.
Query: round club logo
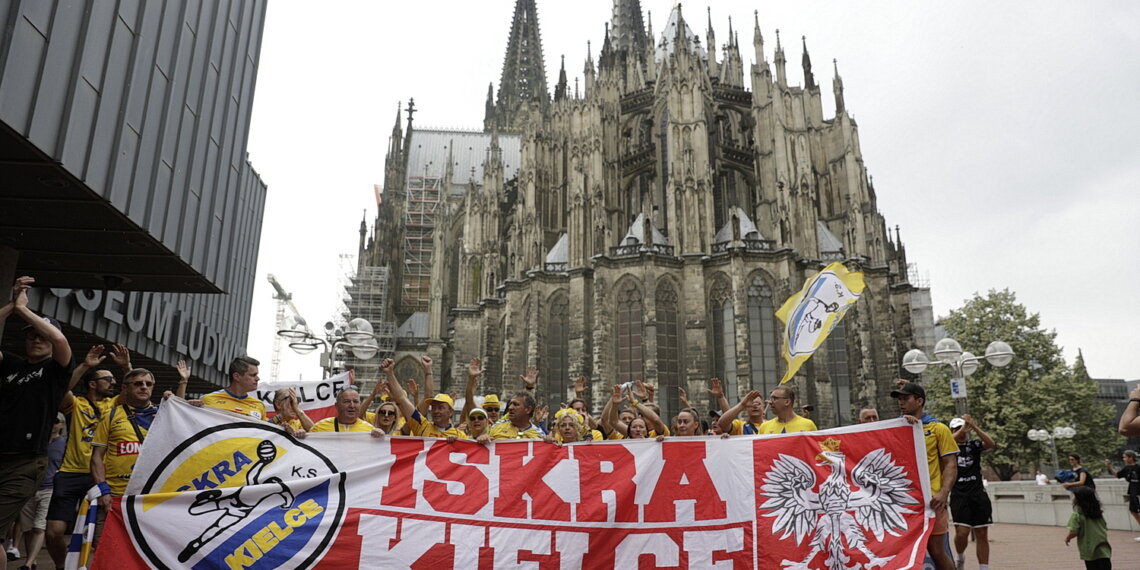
<point>238,496</point>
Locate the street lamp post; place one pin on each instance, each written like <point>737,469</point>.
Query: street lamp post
<point>358,339</point>
<point>949,353</point>
<point>1050,439</point>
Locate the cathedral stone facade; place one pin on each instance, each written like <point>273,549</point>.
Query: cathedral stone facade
<point>644,224</point>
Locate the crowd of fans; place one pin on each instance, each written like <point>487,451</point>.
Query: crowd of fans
<point>64,431</point>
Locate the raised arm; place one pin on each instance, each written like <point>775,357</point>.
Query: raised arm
<point>183,378</point>
<point>388,367</point>
<point>60,349</point>
<point>610,420</point>
<point>988,442</point>
<point>725,420</point>
<point>93,358</point>
<point>474,371</point>
<point>377,388</point>
<point>122,357</point>
<point>716,391</point>
<point>306,422</point>
<point>683,398</point>
<point>530,379</point>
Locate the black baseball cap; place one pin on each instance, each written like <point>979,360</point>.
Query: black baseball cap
<point>49,321</point>
<point>910,389</point>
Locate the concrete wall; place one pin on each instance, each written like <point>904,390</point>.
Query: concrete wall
<point>1025,502</point>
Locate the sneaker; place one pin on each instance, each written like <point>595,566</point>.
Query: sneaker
<point>13,552</point>
<point>1137,539</point>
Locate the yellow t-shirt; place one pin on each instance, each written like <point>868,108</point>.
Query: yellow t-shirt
<point>939,442</point>
<point>738,427</point>
<point>797,423</point>
<point>423,427</point>
<point>294,424</point>
<point>504,429</point>
<point>330,424</point>
<point>116,432</point>
<point>83,418</point>
<point>224,400</point>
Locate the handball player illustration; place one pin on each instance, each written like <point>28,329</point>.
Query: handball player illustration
<point>231,504</point>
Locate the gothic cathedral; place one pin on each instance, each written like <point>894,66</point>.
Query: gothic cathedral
<point>646,223</point>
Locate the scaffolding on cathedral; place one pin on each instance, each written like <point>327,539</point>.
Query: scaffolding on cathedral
<point>423,198</point>
<point>367,298</point>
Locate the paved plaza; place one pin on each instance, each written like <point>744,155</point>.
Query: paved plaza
<point>1012,547</point>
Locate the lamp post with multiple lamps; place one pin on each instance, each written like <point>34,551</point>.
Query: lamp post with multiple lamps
<point>948,352</point>
<point>357,338</point>
<point>1050,439</point>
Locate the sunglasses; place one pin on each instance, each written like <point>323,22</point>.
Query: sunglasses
<point>106,378</point>
<point>385,413</point>
<point>140,383</point>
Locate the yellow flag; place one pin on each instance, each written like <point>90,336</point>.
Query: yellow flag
<point>811,314</point>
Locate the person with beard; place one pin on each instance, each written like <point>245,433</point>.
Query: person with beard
<point>83,412</point>
<point>31,391</point>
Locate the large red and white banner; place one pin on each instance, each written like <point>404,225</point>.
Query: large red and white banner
<point>209,492</point>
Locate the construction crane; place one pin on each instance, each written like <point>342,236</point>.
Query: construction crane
<point>297,329</point>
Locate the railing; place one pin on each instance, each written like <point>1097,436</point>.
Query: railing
<point>753,245</point>
<point>638,248</point>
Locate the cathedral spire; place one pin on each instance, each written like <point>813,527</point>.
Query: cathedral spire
<point>809,79</point>
<point>588,71</point>
<point>781,73</point>
<point>523,80</point>
<point>560,88</point>
<point>710,36</point>
<point>758,38</point>
<point>627,29</point>
<point>837,89</point>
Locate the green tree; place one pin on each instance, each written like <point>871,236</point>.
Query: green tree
<point>1036,391</point>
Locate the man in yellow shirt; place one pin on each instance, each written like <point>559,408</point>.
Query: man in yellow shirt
<point>347,415</point>
<point>942,461</point>
<point>441,407</point>
<point>238,396</point>
<point>119,435</point>
<point>517,424</point>
<point>84,412</point>
<point>782,401</point>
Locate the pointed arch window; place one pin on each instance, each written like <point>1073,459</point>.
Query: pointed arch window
<point>724,337</point>
<point>668,346</point>
<point>763,336</point>
<point>630,363</point>
<point>837,369</point>
<point>557,367</point>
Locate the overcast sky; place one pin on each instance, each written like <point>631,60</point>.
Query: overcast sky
<point>1002,136</point>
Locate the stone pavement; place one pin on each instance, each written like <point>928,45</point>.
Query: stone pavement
<point>1023,546</point>
<point>1012,547</point>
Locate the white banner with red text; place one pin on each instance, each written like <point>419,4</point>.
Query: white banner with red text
<point>209,492</point>
<point>317,398</point>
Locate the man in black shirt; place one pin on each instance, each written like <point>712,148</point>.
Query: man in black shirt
<point>969,503</point>
<point>31,390</point>
<point>1131,473</point>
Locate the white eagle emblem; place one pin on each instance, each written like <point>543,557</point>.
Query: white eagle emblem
<point>839,514</point>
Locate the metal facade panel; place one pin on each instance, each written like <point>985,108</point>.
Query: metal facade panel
<point>146,103</point>
<point>22,69</point>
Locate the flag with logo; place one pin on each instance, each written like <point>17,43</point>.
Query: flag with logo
<point>813,312</point>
